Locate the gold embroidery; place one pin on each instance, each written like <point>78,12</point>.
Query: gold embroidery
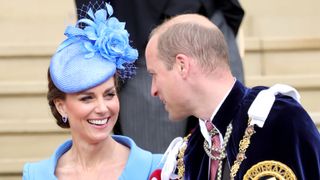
<point>270,170</point>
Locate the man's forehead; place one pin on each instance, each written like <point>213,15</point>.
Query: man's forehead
<point>151,49</point>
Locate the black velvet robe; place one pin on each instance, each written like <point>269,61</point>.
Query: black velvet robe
<point>288,135</point>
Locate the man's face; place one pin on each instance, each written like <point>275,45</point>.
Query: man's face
<point>166,84</point>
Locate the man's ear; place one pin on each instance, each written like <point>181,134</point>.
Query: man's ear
<point>183,64</point>
<point>60,106</point>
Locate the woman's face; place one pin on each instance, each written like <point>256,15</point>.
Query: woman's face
<point>92,114</point>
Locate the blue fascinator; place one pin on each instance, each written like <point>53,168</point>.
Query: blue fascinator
<point>92,54</point>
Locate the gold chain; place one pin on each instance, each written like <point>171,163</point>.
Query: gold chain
<point>180,162</point>
<point>221,151</point>
<point>244,144</point>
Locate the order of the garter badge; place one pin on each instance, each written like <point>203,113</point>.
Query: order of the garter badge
<point>269,170</point>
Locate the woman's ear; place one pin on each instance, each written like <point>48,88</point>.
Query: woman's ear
<point>60,106</point>
<point>183,64</point>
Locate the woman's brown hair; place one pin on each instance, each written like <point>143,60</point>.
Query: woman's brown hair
<point>55,93</point>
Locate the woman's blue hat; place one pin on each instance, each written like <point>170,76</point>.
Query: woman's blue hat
<point>91,55</point>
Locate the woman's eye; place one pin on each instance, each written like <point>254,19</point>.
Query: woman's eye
<point>111,94</point>
<point>86,98</point>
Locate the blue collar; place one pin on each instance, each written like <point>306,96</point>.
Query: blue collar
<point>139,159</point>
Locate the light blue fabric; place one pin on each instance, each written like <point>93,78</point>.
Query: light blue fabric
<point>139,166</point>
<point>71,72</point>
<point>92,54</point>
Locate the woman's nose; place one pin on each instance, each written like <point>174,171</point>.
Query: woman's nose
<point>101,106</point>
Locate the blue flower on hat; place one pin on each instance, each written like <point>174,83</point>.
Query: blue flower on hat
<point>105,35</point>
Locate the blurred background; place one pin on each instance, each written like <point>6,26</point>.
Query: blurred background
<point>279,41</point>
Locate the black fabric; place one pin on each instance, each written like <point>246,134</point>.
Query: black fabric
<point>233,13</point>
<point>235,61</point>
<point>226,171</point>
<point>288,136</point>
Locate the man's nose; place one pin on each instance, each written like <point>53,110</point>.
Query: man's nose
<point>154,90</point>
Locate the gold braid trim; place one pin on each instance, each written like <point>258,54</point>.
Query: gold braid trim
<point>180,162</point>
<point>244,144</point>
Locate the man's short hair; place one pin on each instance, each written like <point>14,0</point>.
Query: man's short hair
<point>206,45</point>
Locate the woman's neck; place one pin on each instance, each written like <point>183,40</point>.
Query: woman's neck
<point>93,159</point>
<point>87,155</point>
